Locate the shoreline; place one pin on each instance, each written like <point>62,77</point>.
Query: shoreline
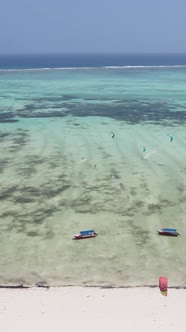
<point>21,286</point>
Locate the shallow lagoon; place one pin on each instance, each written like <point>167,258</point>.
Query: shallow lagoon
<point>61,171</point>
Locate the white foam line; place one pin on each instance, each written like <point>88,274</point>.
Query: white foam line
<point>136,67</point>
<point>91,68</point>
<point>45,69</point>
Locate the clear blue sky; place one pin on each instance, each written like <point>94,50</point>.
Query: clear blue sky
<point>70,26</point>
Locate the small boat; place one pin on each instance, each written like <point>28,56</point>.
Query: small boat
<point>168,232</point>
<point>85,235</point>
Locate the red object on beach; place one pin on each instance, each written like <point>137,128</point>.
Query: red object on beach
<point>163,284</point>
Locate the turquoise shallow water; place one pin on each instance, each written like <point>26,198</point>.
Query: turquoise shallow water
<point>61,171</point>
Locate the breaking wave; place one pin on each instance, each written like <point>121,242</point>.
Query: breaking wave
<point>91,68</point>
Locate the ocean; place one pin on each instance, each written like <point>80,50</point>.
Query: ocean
<point>62,169</point>
<point>51,61</point>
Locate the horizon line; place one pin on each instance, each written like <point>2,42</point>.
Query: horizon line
<point>94,53</point>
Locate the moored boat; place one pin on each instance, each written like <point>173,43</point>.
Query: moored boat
<point>168,232</point>
<point>85,235</point>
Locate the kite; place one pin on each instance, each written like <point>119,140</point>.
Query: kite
<point>112,134</point>
<point>171,137</point>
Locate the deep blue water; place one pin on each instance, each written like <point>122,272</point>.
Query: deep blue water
<point>89,60</point>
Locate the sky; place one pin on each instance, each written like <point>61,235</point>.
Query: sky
<point>97,26</point>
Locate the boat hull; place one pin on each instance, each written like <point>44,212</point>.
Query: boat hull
<point>168,233</point>
<point>81,237</point>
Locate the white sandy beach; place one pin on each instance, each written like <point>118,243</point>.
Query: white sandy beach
<point>92,309</point>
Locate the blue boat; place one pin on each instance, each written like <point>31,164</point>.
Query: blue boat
<point>168,232</point>
<point>85,234</point>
